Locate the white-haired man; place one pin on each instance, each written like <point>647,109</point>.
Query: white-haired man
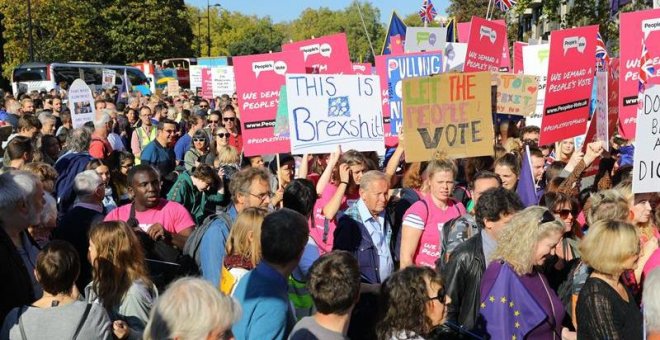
<point>100,147</point>
<point>651,300</point>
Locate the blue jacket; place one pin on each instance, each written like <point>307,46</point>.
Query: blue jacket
<point>68,166</point>
<point>212,248</point>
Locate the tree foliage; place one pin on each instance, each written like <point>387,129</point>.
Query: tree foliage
<point>464,10</point>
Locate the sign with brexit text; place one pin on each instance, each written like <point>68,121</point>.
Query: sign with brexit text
<point>425,39</point>
<point>258,82</point>
<point>516,93</point>
<point>324,55</point>
<point>450,114</point>
<point>570,82</point>
<point>635,27</point>
<point>646,166</point>
<point>484,52</point>
<point>330,110</point>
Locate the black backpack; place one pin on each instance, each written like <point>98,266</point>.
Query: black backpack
<point>396,208</point>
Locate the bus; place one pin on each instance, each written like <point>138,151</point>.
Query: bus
<point>47,76</point>
<point>182,66</point>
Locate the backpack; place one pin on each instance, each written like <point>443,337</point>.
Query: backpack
<point>395,210</point>
<point>191,248</point>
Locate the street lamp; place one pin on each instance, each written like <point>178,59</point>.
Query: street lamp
<point>199,35</point>
<point>208,15</point>
<point>31,45</point>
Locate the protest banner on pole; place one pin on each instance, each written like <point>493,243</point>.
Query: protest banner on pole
<point>633,28</point>
<point>613,94</point>
<point>195,78</point>
<point>570,82</point>
<point>484,52</point>
<point>81,103</point>
<point>324,55</point>
<point>223,80</point>
<point>330,110</point>
<point>602,129</point>
<point>464,37</point>
<point>449,113</point>
<point>381,71</point>
<point>646,164</point>
<point>108,80</point>
<point>454,57</point>
<point>516,94</point>
<point>173,87</point>
<point>518,61</point>
<point>425,39</point>
<point>362,68</point>
<point>207,83</point>
<point>259,79</point>
<point>536,63</point>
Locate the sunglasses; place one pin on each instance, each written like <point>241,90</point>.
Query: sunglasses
<point>223,135</point>
<point>441,295</point>
<point>199,140</point>
<point>563,213</point>
<point>203,107</point>
<point>234,98</point>
<point>547,217</point>
<point>214,121</point>
<point>228,119</point>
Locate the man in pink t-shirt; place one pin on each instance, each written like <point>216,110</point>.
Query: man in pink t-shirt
<point>159,218</point>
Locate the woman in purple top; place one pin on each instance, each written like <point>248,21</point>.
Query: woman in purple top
<point>536,312</point>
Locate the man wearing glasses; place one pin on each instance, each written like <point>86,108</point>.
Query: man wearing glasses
<point>144,134</point>
<point>231,123</point>
<point>213,121</point>
<point>160,154</point>
<point>249,188</point>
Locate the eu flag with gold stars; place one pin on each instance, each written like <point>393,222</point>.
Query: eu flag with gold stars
<point>509,310</point>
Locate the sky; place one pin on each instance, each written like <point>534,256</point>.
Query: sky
<point>287,10</point>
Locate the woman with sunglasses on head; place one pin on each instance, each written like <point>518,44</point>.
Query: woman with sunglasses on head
<point>514,279</point>
<point>606,308</point>
<point>198,151</point>
<point>414,304</point>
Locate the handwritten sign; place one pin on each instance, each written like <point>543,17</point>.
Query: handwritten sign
<point>516,94</point>
<point>631,33</point>
<point>646,166</point>
<point>324,55</point>
<point>108,80</point>
<point>484,52</point>
<point>425,39</point>
<point>449,113</point>
<point>81,103</point>
<point>259,79</point>
<point>173,87</point>
<point>536,63</point>
<point>570,82</point>
<point>328,110</point>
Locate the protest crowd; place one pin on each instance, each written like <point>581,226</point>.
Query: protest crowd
<point>167,217</point>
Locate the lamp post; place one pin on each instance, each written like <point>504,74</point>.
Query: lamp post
<point>31,44</point>
<point>208,16</point>
<point>199,35</point>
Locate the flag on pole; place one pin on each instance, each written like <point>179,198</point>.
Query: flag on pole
<point>527,190</point>
<point>427,12</point>
<point>602,57</point>
<point>396,27</point>
<point>452,30</point>
<point>646,71</point>
<point>125,89</point>
<point>505,5</point>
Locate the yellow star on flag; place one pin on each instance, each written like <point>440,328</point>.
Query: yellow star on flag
<point>483,305</point>
<point>517,324</point>
<point>511,304</point>
<point>503,299</point>
<point>513,337</point>
<point>516,313</point>
<point>491,299</point>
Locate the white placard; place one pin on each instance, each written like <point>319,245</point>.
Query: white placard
<point>425,39</point>
<point>330,110</point>
<point>222,78</point>
<point>454,54</point>
<point>602,109</point>
<point>646,165</point>
<point>108,80</point>
<point>535,63</point>
<point>81,103</point>
<point>195,77</point>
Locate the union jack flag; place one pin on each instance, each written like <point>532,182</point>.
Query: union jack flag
<point>505,5</point>
<point>427,12</point>
<point>602,58</point>
<point>646,70</point>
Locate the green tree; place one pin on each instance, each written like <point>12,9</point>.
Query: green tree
<point>464,10</point>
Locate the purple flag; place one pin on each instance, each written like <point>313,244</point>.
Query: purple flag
<point>526,189</point>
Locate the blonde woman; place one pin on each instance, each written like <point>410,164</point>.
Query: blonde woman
<point>243,248</point>
<point>526,242</point>
<point>606,308</point>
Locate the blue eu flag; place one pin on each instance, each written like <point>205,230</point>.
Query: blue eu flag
<point>509,310</point>
<point>396,27</point>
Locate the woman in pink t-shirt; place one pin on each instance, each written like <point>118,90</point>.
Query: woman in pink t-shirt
<point>423,221</point>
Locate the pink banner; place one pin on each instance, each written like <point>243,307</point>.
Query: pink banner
<point>207,83</point>
<point>570,82</point>
<point>630,42</point>
<point>258,82</point>
<point>463,32</point>
<point>381,70</point>
<point>362,68</point>
<point>518,65</point>
<point>484,51</point>
<point>464,36</point>
<point>324,55</point>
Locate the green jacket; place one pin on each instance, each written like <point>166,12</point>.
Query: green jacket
<point>199,204</point>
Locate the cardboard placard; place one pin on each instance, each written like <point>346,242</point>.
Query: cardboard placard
<point>570,83</point>
<point>324,55</point>
<point>450,113</point>
<point>330,110</point>
<point>646,165</point>
<point>425,39</point>
<point>259,79</point>
<point>484,52</point>
<point>173,87</point>
<point>516,94</point>
<point>81,103</point>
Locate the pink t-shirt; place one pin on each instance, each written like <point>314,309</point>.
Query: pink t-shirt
<point>652,263</point>
<point>319,220</point>
<point>173,216</point>
<point>417,216</point>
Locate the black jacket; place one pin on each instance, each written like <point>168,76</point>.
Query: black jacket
<point>16,285</point>
<point>463,275</point>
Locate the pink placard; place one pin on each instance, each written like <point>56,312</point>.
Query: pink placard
<point>630,42</point>
<point>258,82</point>
<point>207,83</point>
<point>484,51</point>
<point>464,36</point>
<point>362,68</point>
<point>518,65</point>
<point>463,32</point>
<point>381,70</point>
<point>324,55</point>
<point>570,81</point>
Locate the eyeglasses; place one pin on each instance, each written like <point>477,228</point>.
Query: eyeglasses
<point>228,119</point>
<point>547,217</point>
<point>263,196</point>
<point>223,135</point>
<point>203,107</point>
<point>441,295</point>
<point>213,121</point>
<point>199,140</point>
<point>563,213</point>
